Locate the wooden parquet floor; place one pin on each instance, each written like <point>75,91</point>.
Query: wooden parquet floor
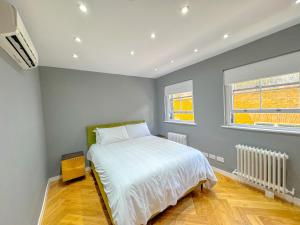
<point>229,203</point>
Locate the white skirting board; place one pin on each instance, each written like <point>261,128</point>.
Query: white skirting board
<point>288,198</point>
<point>43,205</point>
<point>50,180</point>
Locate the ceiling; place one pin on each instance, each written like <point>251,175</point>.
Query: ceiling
<point>111,29</point>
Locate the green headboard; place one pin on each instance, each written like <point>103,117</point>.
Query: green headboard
<point>91,136</point>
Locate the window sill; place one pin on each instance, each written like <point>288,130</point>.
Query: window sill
<point>181,122</point>
<point>264,129</point>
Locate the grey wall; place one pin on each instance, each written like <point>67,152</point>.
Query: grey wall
<point>74,99</point>
<point>207,79</point>
<point>23,151</point>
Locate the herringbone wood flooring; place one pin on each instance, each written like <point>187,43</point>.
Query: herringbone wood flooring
<point>229,203</point>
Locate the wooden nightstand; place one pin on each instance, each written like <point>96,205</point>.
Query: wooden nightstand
<point>72,166</point>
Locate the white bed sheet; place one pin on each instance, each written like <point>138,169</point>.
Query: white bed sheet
<point>143,176</point>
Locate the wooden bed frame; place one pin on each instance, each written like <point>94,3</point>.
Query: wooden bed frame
<point>91,139</point>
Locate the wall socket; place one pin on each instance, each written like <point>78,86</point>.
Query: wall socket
<point>211,156</point>
<point>214,157</point>
<point>220,159</point>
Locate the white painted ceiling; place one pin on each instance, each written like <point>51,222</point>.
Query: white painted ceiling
<point>112,28</point>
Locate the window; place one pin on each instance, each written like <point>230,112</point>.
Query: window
<point>266,102</point>
<point>179,102</point>
<point>273,101</point>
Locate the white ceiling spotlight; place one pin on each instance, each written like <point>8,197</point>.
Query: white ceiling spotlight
<point>132,52</point>
<point>172,61</point>
<point>83,7</point>
<point>75,56</point>
<point>153,36</point>
<point>185,10</point>
<point>297,2</point>
<point>77,39</point>
<point>225,36</point>
<point>155,69</point>
<point>196,50</point>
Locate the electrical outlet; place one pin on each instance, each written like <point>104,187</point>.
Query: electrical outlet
<point>220,159</point>
<point>211,156</point>
<point>206,154</point>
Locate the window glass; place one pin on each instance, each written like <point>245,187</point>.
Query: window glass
<point>282,97</point>
<point>182,106</point>
<point>272,101</point>
<point>269,119</point>
<point>249,99</point>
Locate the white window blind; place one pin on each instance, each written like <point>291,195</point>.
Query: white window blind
<point>186,86</point>
<point>284,64</point>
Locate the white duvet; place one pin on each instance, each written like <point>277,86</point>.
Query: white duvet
<point>143,176</point>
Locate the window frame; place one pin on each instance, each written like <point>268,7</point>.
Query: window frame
<point>168,108</point>
<point>229,111</point>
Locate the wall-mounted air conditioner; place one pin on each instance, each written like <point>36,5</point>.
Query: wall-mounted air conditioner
<point>14,38</point>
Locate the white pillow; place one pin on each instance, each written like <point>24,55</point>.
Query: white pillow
<point>137,130</point>
<point>107,136</point>
<point>98,138</point>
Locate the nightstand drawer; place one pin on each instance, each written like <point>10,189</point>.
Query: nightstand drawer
<point>73,166</point>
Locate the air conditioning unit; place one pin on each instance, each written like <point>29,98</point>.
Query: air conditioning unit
<point>14,38</point>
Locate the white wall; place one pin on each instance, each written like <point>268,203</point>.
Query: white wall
<point>23,173</point>
<point>75,99</point>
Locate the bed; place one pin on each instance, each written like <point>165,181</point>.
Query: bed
<point>140,177</point>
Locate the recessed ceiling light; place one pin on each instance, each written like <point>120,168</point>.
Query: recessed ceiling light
<point>153,35</point>
<point>155,69</point>
<point>172,61</point>
<point>83,7</point>
<point>196,50</point>
<point>132,52</point>
<point>225,36</point>
<point>185,10</point>
<point>298,2</point>
<point>77,39</point>
<point>75,56</point>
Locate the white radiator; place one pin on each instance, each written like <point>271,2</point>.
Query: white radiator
<point>262,167</point>
<point>179,138</point>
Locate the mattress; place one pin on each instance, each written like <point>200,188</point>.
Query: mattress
<point>143,176</point>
